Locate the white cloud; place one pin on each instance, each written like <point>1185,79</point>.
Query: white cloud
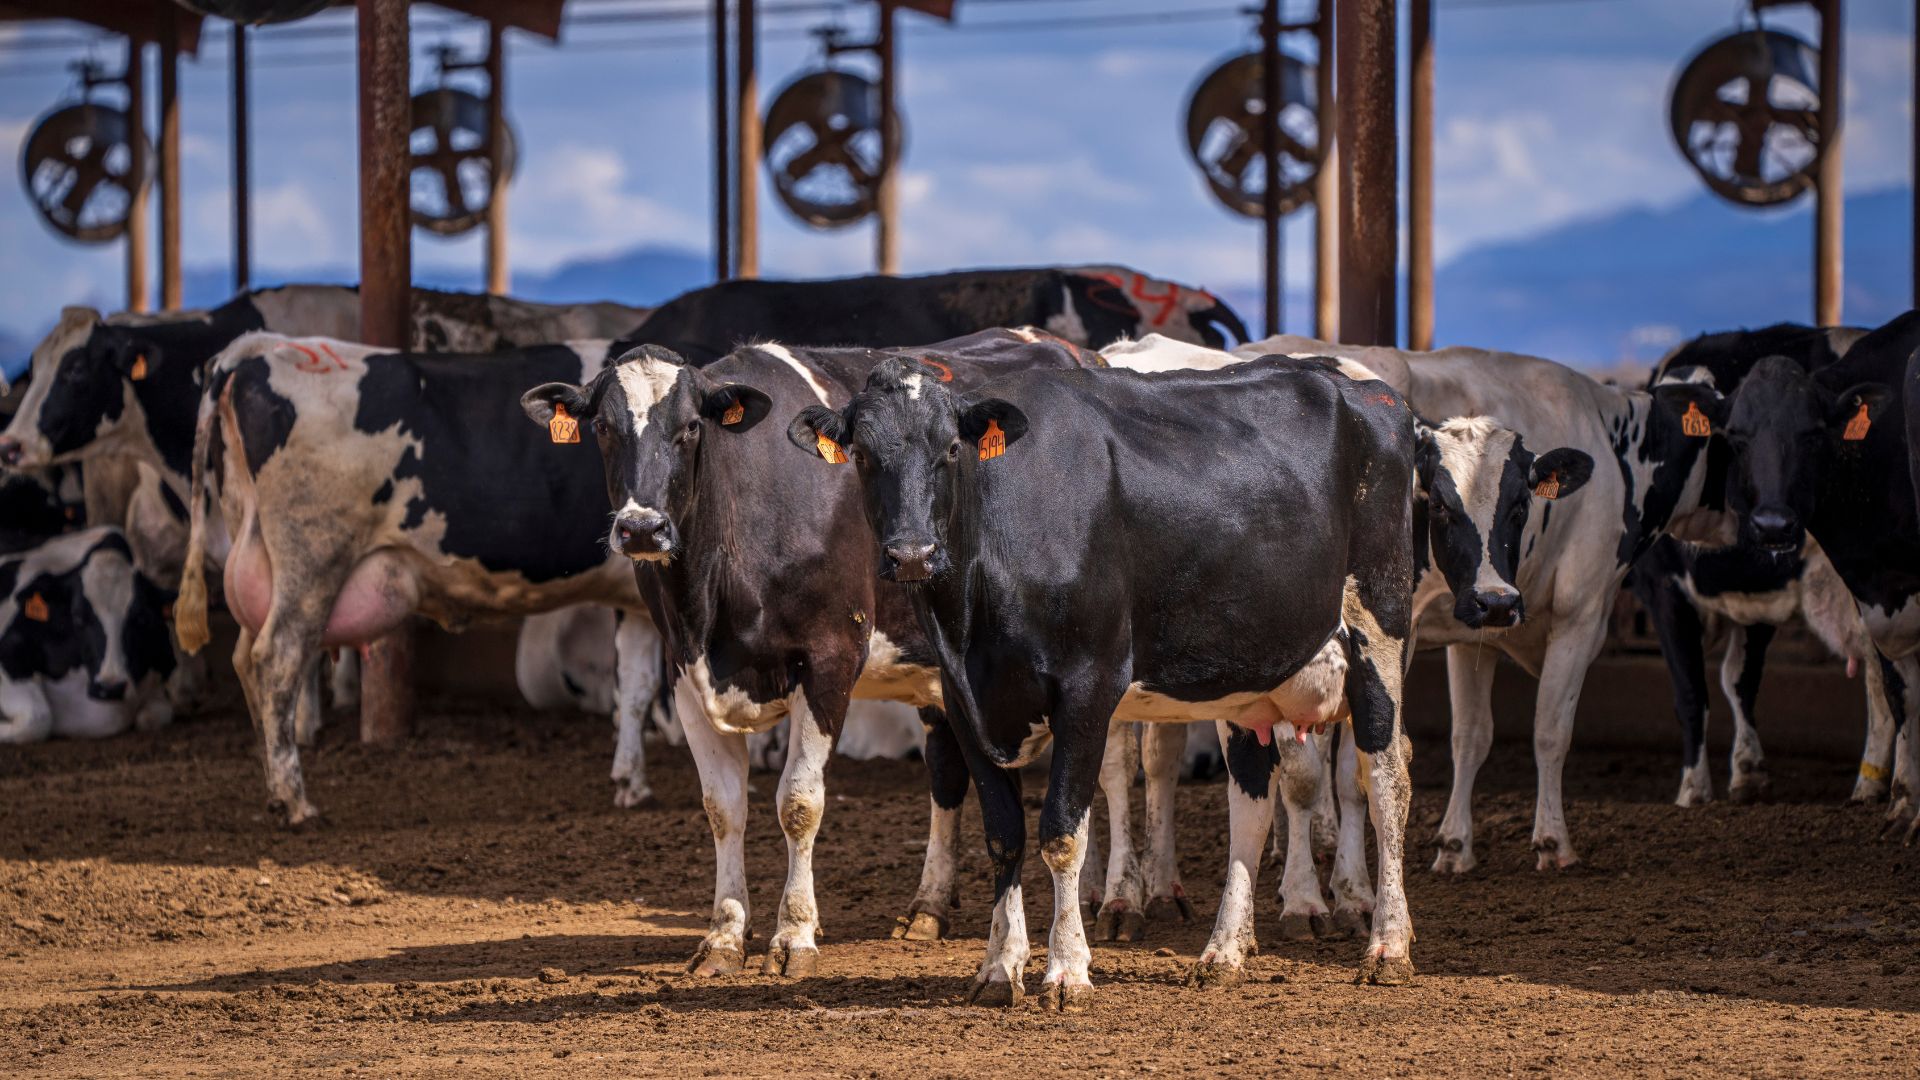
<point>288,221</point>
<point>575,199</point>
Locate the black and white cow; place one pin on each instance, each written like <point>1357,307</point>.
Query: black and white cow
<point>1088,306</point>
<point>1648,447</point>
<point>359,487</point>
<point>1088,547</point>
<point>1825,453</point>
<point>84,647</point>
<point>759,574</point>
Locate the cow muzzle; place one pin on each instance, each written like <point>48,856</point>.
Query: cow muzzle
<point>1492,608</point>
<point>1776,528</point>
<point>10,451</point>
<point>107,689</point>
<point>643,534</point>
<point>912,560</point>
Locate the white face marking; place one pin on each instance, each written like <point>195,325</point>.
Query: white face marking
<point>1473,451</point>
<point>645,381</point>
<point>779,352</point>
<point>912,382</point>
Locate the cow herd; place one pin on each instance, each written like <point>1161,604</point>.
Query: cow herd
<point>1045,508</point>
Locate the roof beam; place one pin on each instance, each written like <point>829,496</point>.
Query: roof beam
<point>140,21</point>
<point>534,16</point>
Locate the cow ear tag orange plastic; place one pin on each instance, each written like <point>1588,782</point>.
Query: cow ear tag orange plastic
<point>139,370</point>
<point>35,608</point>
<point>830,449</point>
<point>563,428</point>
<point>735,413</point>
<point>1548,488</point>
<point>1695,422</point>
<point>994,442</point>
<point>1857,427</point>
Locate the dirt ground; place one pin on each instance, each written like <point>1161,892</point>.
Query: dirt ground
<point>475,905</point>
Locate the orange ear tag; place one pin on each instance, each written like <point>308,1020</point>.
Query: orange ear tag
<point>1548,488</point>
<point>139,367</point>
<point>1857,427</point>
<point>735,413</point>
<point>1695,422</point>
<point>994,442</point>
<point>563,428</point>
<point>35,608</point>
<point>830,449</point>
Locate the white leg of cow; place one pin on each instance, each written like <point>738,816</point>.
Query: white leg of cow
<point>1470,689</point>
<point>1352,885</point>
<point>722,761</point>
<point>272,667</point>
<point>802,802</point>
<point>767,750</point>
<point>188,686</point>
<point>930,915</point>
<point>1250,776</point>
<point>1122,907</point>
<point>1390,797</point>
<point>1570,652</point>
<point>311,713</point>
<point>1303,909</point>
<point>1900,801</point>
<point>1326,811</point>
<point>1162,750</point>
<point>1740,681</point>
<point>1067,982</point>
<point>1876,757</point>
<point>25,714</point>
<point>636,646</point>
<point>1007,951</point>
<point>1906,751</point>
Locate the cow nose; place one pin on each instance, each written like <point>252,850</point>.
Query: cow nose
<point>1776,526</point>
<point>912,560</point>
<point>642,532</point>
<point>1497,607</point>
<point>107,689</point>
<point>10,451</point>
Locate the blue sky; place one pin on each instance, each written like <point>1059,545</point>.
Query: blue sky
<point>1038,146</point>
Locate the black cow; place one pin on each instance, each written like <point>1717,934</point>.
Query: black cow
<point>1088,306</point>
<point>755,567</point>
<point>1232,545</point>
<point>1826,453</point>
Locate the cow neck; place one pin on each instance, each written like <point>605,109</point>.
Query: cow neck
<point>1866,502</point>
<point>704,582</point>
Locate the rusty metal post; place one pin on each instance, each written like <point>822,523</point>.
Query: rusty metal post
<point>386,276</point>
<point>747,147</point>
<point>722,150</point>
<point>887,198</point>
<point>1326,187</point>
<point>1369,185</point>
<point>498,273</point>
<point>170,286</point>
<point>242,179</point>
<point>137,168</point>
<point>1829,190</point>
<point>1270,161</point>
<point>1420,181</point>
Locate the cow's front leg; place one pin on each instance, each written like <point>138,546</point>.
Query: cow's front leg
<point>1303,910</point>
<point>1162,746</point>
<point>930,916</point>
<point>1571,651</point>
<point>1352,887</point>
<point>1740,679</point>
<point>26,716</point>
<point>1004,820</point>
<point>803,800</point>
<point>1122,909</point>
<point>721,758</point>
<point>1079,764</point>
<point>1470,693</point>
<point>1900,684</point>
<point>1374,671</point>
<point>636,650</point>
<point>1250,773</point>
<point>1876,757</point>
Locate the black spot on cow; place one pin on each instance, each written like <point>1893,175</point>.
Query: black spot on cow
<point>383,493</point>
<point>264,417</point>
<point>1249,763</point>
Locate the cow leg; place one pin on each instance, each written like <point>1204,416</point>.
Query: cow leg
<point>767,750</point>
<point>636,650</point>
<point>1004,819</point>
<point>26,716</point>
<point>1470,688</point>
<point>343,682</point>
<point>1876,757</point>
<point>1162,746</point>
<point>1570,652</point>
<point>1900,685</point>
<point>311,713</point>
<point>1250,776</point>
<point>929,917</point>
<point>1078,767</point>
<point>1326,812</point>
<point>1740,680</point>
<point>1303,908</point>
<point>1683,646</point>
<point>721,758</point>
<point>274,673</point>
<point>1122,909</point>
<point>1352,885</point>
<point>802,802</point>
<point>1375,667</point>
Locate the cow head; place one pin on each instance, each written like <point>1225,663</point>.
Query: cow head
<point>651,413</point>
<point>101,617</point>
<point>1784,429</point>
<point>912,441</point>
<point>78,399</point>
<point>1480,482</point>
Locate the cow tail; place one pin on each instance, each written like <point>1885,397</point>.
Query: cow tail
<point>190,609</point>
<point>1226,317</point>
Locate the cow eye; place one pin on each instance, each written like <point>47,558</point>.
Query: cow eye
<point>858,455</point>
<point>599,427</point>
<point>953,450</point>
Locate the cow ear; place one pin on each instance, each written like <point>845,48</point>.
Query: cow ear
<point>820,431</point>
<point>736,408</point>
<point>1857,409</point>
<point>539,402</point>
<point>1426,454</point>
<point>992,425</point>
<point>1700,409</point>
<point>1563,472</point>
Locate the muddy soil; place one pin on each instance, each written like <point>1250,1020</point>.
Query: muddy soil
<point>475,905</point>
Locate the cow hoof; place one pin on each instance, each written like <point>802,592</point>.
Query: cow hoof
<point>710,960</point>
<point>1090,910</point>
<point>793,961</point>
<point>1385,971</point>
<point>1554,855</point>
<point>1168,908</point>
<point>1756,789</point>
<point>1351,922</point>
<point>301,815</point>
<point>996,995</point>
<point>1215,974</point>
<point>922,924</point>
<point>1118,921</point>
<point>1062,997</point>
<point>1455,856</point>
<point>1866,792</point>
<point>1299,926</point>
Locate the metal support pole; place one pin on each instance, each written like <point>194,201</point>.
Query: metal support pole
<point>242,181</point>
<point>747,147</point>
<point>1913,179</point>
<point>1270,161</point>
<point>1369,185</point>
<point>498,274</point>
<point>386,275</point>
<point>1326,188</point>
<point>1829,189</point>
<point>170,286</point>
<point>887,199</point>
<point>137,254</point>
<point>722,149</point>
<point>1420,181</point>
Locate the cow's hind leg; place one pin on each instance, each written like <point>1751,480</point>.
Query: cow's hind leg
<point>722,760</point>
<point>1162,746</point>
<point>636,648</point>
<point>1740,679</point>
<point>1571,651</point>
<point>930,916</point>
<point>802,801</point>
<point>1122,908</point>
<point>1250,772</point>
<point>1683,646</point>
<point>1352,886</point>
<point>279,673</point>
<point>1303,908</point>
<point>1876,757</point>
<point>1004,820</point>
<point>1470,688</point>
